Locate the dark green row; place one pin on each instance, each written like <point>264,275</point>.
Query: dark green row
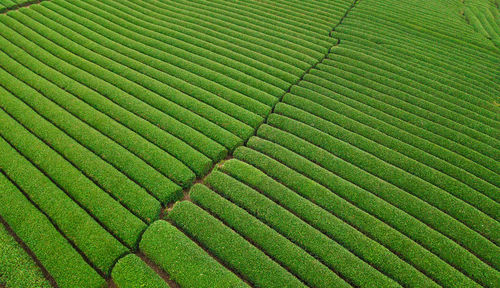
<point>18,269</point>
<point>184,261</point>
<point>38,232</point>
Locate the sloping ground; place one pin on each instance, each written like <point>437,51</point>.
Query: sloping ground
<point>18,268</point>
<point>355,143</point>
<point>484,16</point>
<point>6,5</point>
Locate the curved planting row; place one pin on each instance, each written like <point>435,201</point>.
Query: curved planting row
<point>18,269</point>
<point>6,5</point>
<point>115,39</point>
<point>292,206</point>
<point>43,237</point>
<point>484,16</point>
<point>378,169</point>
<point>130,271</point>
<point>187,263</point>
<point>370,158</point>
<point>110,109</point>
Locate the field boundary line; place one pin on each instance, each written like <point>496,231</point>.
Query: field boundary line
<point>186,196</point>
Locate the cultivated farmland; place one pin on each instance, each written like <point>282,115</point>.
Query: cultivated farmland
<point>249,143</point>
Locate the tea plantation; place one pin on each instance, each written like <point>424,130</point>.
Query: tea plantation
<point>249,143</point>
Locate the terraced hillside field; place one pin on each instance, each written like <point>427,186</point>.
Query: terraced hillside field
<point>249,143</point>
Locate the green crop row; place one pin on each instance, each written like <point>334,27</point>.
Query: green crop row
<point>131,272</point>
<point>6,5</point>
<point>152,154</point>
<point>342,221</point>
<point>165,91</point>
<point>100,247</point>
<point>302,42</point>
<point>184,261</point>
<point>318,15</point>
<point>299,262</point>
<point>18,269</point>
<point>391,156</point>
<point>483,120</point>
<point>232,249</point>
<point>254,44</point>
<point>483,20</point>
<point>241,107</point>
<point>450,34</point>
<point>254,100</point>
<point>131,195</point>
<point>398,187</point>
<point>425,152</point>
<point>410,14</point>
<point>167,142</point>
<point>416,47</point>
<point>214,41</point>
<point>410,60</point>
<point>287,25</point>
<point>427,34</point>
<point>57,256</point>
<point>425,76</point>
<point>395,117</point>
<point>421,233</point>
<point>459,48</point>
<point>396,77</point>
<point>201,50</point>
<point>116,218</point>
<point>167,115</point>
<point>254,88</point>
<point>340,260</point>
<point>436,123</point>
<point>231,78</point>
<point>158,185</point>
<point>413,46</point>
<point>231,28</point>
<point>300,17</point>
<point>424,65</point>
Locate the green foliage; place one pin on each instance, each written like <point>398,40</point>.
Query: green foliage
<point>131,272</point>
<point>365,135</point>
<point>341,221</point>
<point>366,125</point>
<point>355,192</point>
<point>221,100</point>
<point>230,248</point>
<point>306,267</point>
<point>123,224</point>
<point>395,117</point>
<point>150,153</point>
<point>334,255</point>
<point>53,251</point>
<point>389,155</point>
<point>111,180</point>
<point>157,184</point>
<point>100,247</point>
<point>272,70</point>
<point>438,124</point>
<point>17,269</point>
<point>184,261</point>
